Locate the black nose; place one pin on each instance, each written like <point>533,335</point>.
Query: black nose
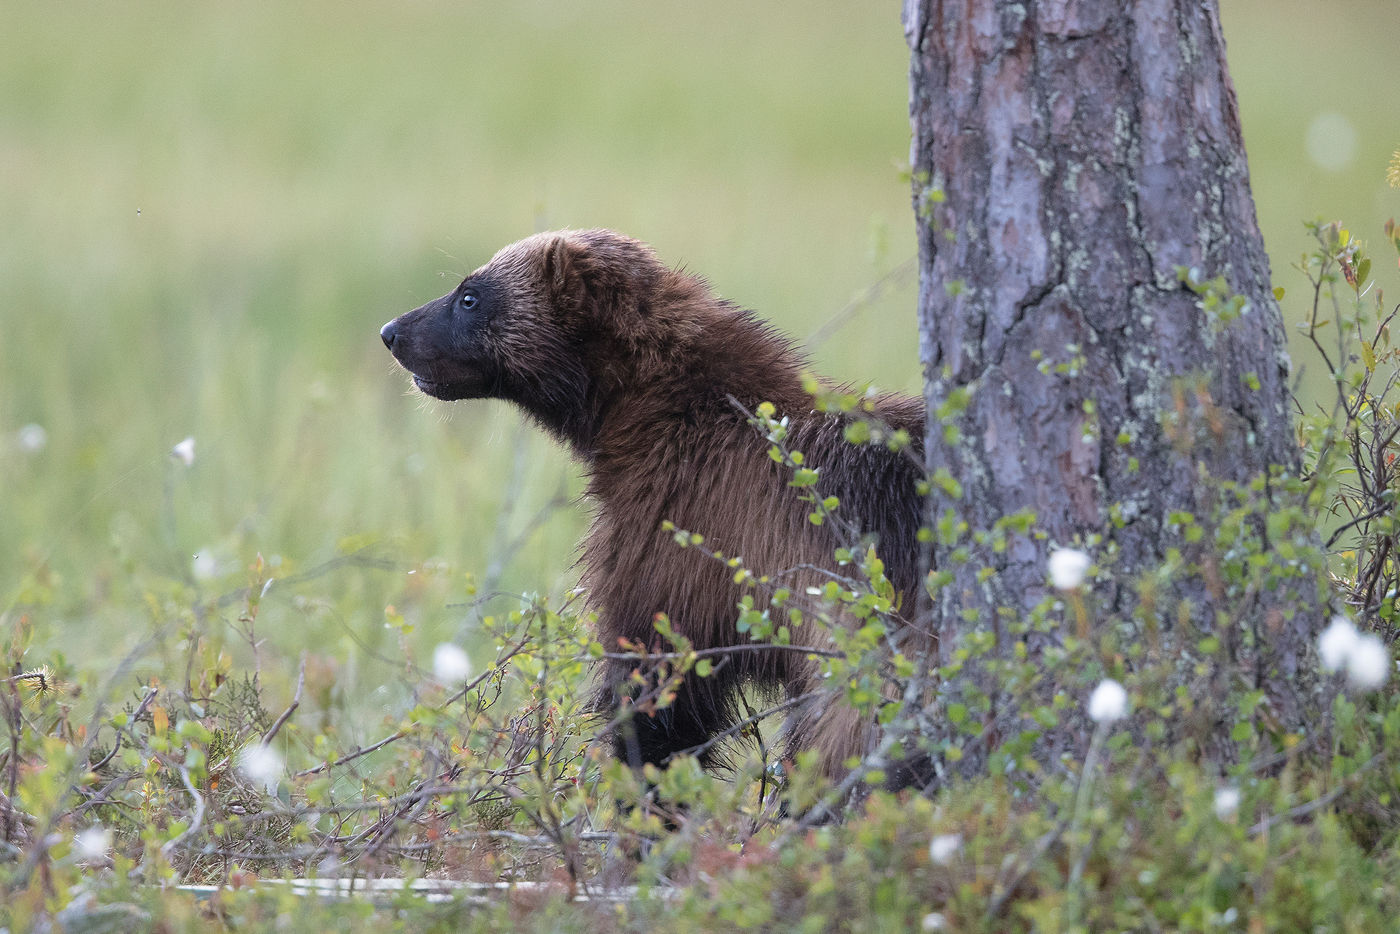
<point>388,333</point>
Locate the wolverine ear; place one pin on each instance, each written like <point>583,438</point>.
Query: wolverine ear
<point>561,266</point>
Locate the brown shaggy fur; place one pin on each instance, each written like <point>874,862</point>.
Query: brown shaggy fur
<point>634,365</point>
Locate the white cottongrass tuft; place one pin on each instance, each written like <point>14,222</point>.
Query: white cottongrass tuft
<point>262,765</point>
<point>184,452</point>
<point>1068,567</point>
<point>1368,664</point>
<point>942,848</point>
<point>1363,657</point>
<point>1336,643</point>
<point>93,843</point>
<point>1227,802</point>
<point>1109,702</point>
<point>204,566</point>
<point>1330,141</point>
<point>32,438</point>
<point>450,664</point>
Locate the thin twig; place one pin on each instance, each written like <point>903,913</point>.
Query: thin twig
<point>14,722</point>
<point>101,796</point>
<point>742,725</point>
<point>296,702</point>
<point>352,756</point>
<point>361,558</point>
<point>8,806</point>
<point>400,734</point>
<point>1382,510</point>
<point>196,822</point>
<point>1308,807</point>
<point>722,650</point>
<point>1075,894</point>
<point>1023,869</point>
<point>140,712</point>
<point>894,279</point>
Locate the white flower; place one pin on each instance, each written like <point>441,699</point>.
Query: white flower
<point>450,664</point>
<point>942,848</point>
<point>1330,141</point>
<point>204,566</point>
<point>261,765</point>
<point>1227,802</point>
<point>1068,567</point>
<point>1363,657</point>
<point>184,452</point>
<point>933,921</point>
<point>32,438</point>
<point>93,843</point>
<point>1109,702</point>
<point>1368,663</point>
<point>1336,643</point>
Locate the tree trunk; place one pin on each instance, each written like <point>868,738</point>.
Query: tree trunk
<point>1070,158</point>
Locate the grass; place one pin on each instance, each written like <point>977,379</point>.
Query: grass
<point>211,211</point>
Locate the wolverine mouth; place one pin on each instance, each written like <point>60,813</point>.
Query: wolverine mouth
<point>435,389</point>
<point>451,391</point>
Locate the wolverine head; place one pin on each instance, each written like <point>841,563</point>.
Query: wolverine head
<point>550,323</point>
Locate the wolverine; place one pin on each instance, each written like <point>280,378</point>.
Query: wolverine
<point>649,379</point>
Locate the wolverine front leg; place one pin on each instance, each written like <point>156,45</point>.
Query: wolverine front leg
<point>656,717</point>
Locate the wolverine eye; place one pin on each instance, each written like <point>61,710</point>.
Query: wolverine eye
<point>468,301</point>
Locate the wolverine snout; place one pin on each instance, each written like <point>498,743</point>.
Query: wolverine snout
<point>389,332</point>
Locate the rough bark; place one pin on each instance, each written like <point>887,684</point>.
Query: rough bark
<point>1069,157</point>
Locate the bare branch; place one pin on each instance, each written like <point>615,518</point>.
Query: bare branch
<point>296,702</point>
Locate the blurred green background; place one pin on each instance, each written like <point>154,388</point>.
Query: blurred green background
<point>209,210</point>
